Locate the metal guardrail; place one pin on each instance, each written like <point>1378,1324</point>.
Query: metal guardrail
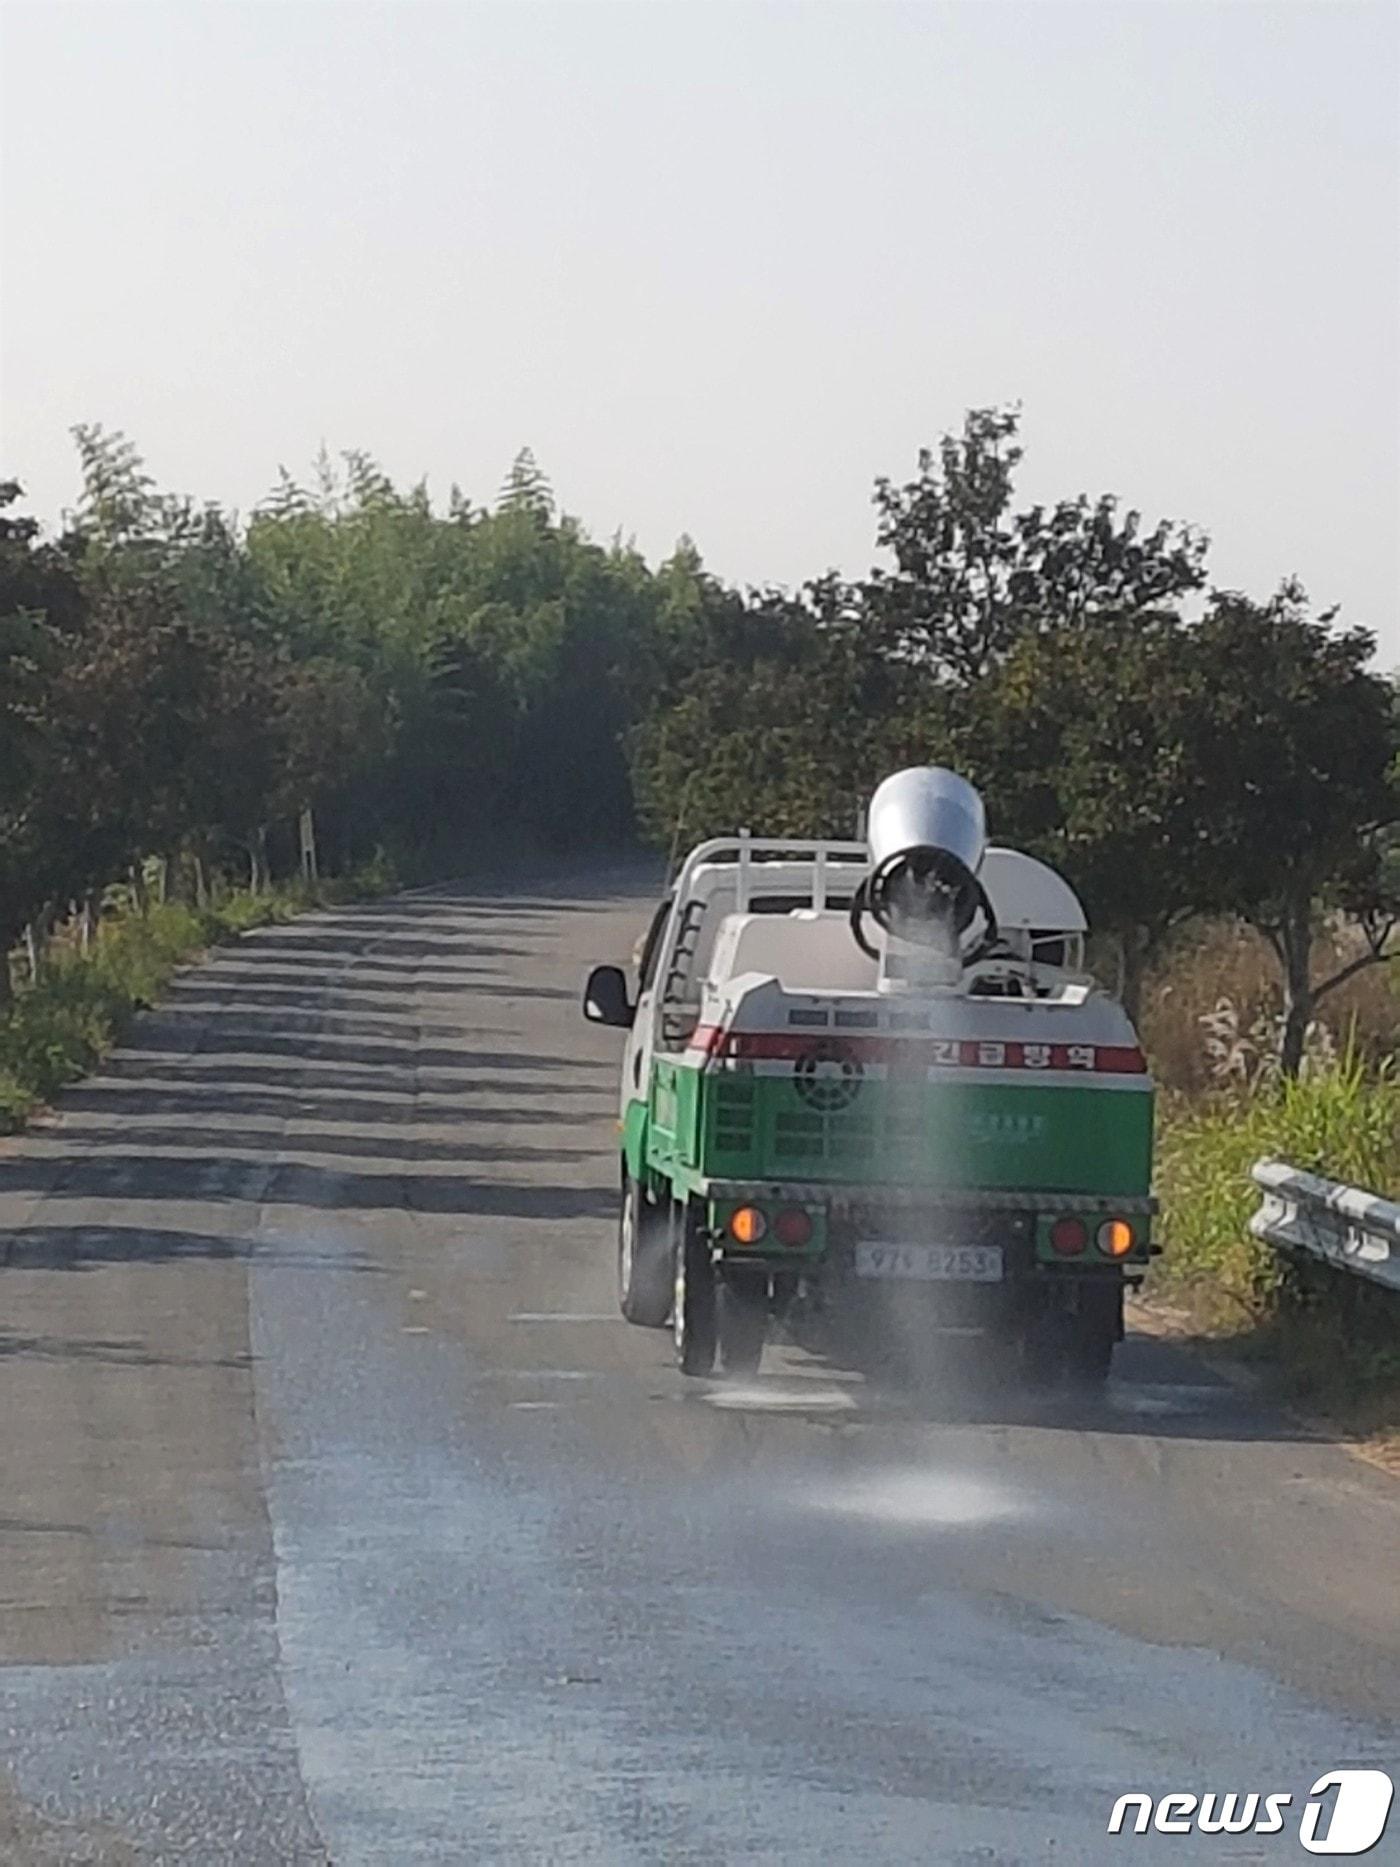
<point>1341,1225</point>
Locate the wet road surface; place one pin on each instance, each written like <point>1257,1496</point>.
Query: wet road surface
<point>343,1519</point>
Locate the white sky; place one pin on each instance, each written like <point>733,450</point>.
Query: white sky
<point>721,264</point>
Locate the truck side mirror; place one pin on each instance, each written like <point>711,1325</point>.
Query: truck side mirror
<point>605,999</point>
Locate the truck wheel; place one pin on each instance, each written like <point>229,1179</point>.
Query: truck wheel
<point>1044,1347</point>
<point>692,1296</point>
<point>742,1318</point>
<point>643,1263</point>
<point>1074,1346</point>
<point>1091,1333</point>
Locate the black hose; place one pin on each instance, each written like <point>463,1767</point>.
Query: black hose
<point>992,932</point>
<point>860,902</point>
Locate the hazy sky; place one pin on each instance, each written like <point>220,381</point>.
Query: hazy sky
<point>721,264</point>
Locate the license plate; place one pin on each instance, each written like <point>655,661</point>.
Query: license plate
<point>932,1264</point>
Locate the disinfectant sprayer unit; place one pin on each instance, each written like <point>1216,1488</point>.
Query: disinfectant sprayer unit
<point>871,1097</point>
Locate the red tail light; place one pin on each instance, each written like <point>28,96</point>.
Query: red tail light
<point>1069,1237</point>
<point>793,1227</point>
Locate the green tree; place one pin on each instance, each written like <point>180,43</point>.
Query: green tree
<point>1094,749</point>
<point>41,608</point>
<point>972,577</point>
<point>131,706</point>
<point>25,649</point>
<point>119,502</point>
<point>1303,793</point>
<point>1242,764</point>
<point>526,488</point>
<point>784,727</point>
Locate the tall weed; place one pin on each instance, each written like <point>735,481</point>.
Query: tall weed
<point>1212,1008</point>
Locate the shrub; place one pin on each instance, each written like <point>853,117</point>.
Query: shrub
<point>379,876</point>
<point>242,911</point>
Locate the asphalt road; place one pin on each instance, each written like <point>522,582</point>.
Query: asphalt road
<point>343,1520</point>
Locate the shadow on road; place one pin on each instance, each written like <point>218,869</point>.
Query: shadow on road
<point>350,986</point>
<point>214,1176</point>
<point>281,1036</point>
<point>116,1100</point>
<point>78,1247</point>
<point>358,1145</point>
<point>324,1035</point>
<point>389,948</point>
<point>116,1352</point>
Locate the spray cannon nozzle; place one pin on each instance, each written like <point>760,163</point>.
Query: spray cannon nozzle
<point>927,833</point>
<point>925,896</point>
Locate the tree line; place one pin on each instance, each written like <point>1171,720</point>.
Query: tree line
<point>174,683</point>
<point>442,682</point>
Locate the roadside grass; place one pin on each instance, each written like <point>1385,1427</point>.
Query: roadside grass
<point>62,1025</point>
<point>1326,1339</point>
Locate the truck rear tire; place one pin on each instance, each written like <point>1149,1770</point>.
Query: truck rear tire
<point>1091,1333</point>
<point>643,1261</point>
<point>693,1319</point>
<point>742,1318</point>
<point>1074,1346</point>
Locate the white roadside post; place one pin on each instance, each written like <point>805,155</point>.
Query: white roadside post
<point>306,826</point>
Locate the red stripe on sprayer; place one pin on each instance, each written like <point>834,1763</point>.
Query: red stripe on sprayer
<point>921,1052</point>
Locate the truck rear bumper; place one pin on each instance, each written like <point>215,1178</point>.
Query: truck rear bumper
<point>1021,1227</point>
<point>843,1200</point>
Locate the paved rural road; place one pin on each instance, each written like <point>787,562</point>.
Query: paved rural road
<point>342,1519</point>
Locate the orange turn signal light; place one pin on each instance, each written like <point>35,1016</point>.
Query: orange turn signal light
<point>747,1226</point>
<point>1115,1238</point>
